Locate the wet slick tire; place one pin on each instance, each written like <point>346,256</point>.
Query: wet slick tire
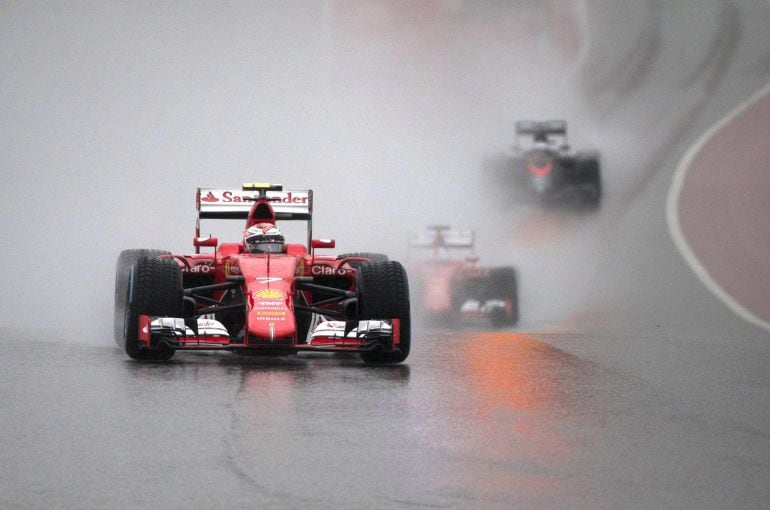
<point>592,183</point>
<point>384,294</point>
<point>503,284</point>
<point>154,288</point>
<point>126,259</point>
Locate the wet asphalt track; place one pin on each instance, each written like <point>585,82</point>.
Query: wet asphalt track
<point>474,420</point>
<point>661,400</point>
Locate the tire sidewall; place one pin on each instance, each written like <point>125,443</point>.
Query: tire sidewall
<point>123,266</point>
<point>154,289</point>
<point>384,294</point>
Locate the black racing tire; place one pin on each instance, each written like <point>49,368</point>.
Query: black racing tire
<point>458,292</point>
<point>384,294</point>
<point>591,179</point>
<point>154,288</point>
<point>126,259</point>
<point>373,257</point>
<point>503,284</point>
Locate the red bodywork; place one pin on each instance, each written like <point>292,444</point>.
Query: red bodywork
<point>449,288</point>
<point>271,286</point>
<point>436,284</point>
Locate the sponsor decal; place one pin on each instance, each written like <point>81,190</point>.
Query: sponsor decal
<point>287,198</point>
<point>269,304</point>
<point>268,279</point>
<point>204,268</point>
<point>323,270</point>
<point>209,198</point>
<point>228,196</point>
<point>270,318</point>
<point>269,294</point>
<point>271,313</point>
<point>290,198</point>
<point>266,303</point>
<point>300,268</point>
<point>220,197</point>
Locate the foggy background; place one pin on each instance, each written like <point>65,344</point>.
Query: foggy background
<point>627,383</point>
<point>113,113</point>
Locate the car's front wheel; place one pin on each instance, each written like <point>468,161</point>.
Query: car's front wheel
<point>384,294</point>
<point>155,289</point>
<point>126,259</point>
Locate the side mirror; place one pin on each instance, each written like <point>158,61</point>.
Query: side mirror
<point>205,241</point>
<point>322,243</point>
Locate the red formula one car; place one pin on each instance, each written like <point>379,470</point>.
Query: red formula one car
<point>450,289</point>
<point>261,295</point>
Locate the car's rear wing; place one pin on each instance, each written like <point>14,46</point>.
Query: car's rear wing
<point>235,204</point>
<point>550,127</point>
<point>442,237</point>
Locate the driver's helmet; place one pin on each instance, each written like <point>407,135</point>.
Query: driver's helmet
<point>263,238</point>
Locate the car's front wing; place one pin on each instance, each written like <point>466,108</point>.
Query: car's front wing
<point>325,336</point>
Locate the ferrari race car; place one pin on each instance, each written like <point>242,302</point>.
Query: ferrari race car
<point>261,295</point>
<point>450,289</point>
<point>548,168</point>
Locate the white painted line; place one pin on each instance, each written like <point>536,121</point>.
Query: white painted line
<point>672,213</point>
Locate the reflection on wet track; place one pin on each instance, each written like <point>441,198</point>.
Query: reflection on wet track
<point>474,420</point>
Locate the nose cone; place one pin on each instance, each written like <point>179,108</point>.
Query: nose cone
<point>540,165</point>
<point>270,317</point>
<point>269,282</point>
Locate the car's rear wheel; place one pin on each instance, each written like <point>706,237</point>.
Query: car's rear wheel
<point>591,183</point>
<point>384,294</point>
<point>126,259</point>
<point>458,292</point>
<point>155,289</point>
<point>503,285</point>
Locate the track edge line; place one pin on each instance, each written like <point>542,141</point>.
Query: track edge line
<point>672,212</point>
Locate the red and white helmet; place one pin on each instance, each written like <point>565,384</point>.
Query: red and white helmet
<point>263,238</point>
